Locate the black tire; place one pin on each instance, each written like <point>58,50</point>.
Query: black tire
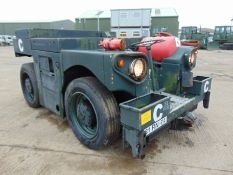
<point>103,107</point>
<point>28,77</point>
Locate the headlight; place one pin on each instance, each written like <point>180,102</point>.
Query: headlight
<point>138,69</point>
<point>191,62</point>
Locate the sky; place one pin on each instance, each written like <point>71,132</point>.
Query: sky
<point>204,13</point>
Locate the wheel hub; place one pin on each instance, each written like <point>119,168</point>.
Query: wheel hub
<point>28,85</point>
<point>85,115</point>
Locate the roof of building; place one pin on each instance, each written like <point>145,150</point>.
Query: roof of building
<point>34,22</point>
<point>156,12</point>
<point>96,14</point>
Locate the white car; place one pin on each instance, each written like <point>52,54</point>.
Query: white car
<point>8,40</point>
<point>2,40</point>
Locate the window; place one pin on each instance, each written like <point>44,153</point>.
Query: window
<point>123,34</point>
<point>136,33</point>
<point>194,29</point>
<point>183,30</point>
<point>123,15</point>
<point>217,29</point>
<point>222,30</point>
<point>228,29</point>
<point>186,30</point>
<point>164,29</point>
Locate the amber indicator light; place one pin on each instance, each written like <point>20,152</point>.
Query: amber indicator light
<point>121,63</point>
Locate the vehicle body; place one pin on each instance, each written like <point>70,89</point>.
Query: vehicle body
<point>191,33</point>
<point>100,91</point>
<point>223,35</point>
<point>8,40</point>
<point>2,40</point>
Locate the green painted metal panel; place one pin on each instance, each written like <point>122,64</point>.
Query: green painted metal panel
<point>170,23</point>
<point>92,24</point>
<point>47,68</point>
<point>191,33</point>
<point>223,34</point>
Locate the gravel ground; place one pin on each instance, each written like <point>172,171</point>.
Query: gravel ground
<point>34,141</point>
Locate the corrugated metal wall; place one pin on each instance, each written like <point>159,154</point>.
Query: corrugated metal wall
<point>170,23</point>
<point>64,24</point>
<point>130,18</point>
<point>92,24</point>
<point>9,28</point>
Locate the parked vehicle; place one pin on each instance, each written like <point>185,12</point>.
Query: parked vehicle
<point>223,35</point>
<point>2,40</point>
<point>8,40</point>
<point>103,87</point>
<point>191,36</point>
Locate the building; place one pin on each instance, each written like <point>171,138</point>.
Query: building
<point>94,20</point>
<point>164,19</point>
<point>131,23</point>
<point>9,28</point>
<point>160,19</point>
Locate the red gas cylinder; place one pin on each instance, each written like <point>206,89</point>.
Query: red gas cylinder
<point>162,50</point>
<point>113,44</point>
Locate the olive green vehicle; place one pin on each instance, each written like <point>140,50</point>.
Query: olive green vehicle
<point>103,97</point>
<point>223,35</point>
<point>191,33</point>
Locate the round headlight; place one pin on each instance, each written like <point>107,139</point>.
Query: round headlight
<point>191,62</point>
<point>138,69</point>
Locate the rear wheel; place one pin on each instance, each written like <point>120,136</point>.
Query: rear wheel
<point>29,85</point>
<point>92,112</point>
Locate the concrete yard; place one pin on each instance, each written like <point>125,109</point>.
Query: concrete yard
<point>35,142</point>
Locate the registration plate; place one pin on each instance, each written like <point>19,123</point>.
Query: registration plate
<point>155,125</point>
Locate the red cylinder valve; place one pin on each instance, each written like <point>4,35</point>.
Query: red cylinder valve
<point>113,44</point>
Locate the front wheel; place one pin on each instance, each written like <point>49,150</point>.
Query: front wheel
<point>92,112</point>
